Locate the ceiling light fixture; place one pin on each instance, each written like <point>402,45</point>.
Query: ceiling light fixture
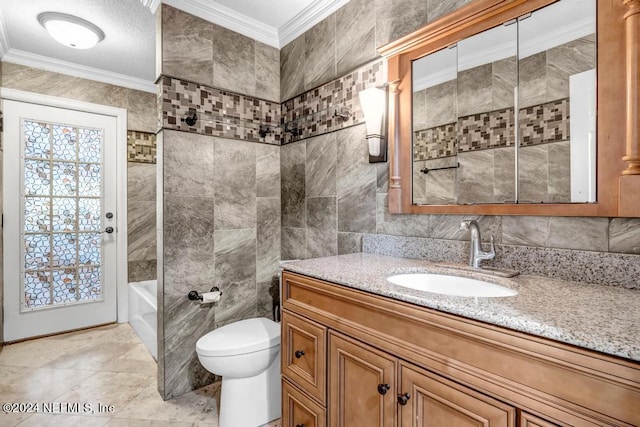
<point>70,30</point>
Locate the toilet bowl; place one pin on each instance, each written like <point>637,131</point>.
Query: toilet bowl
<point>246,355</point>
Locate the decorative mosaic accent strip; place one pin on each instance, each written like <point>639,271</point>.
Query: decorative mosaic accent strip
<point>219,113</point>
<point>435,143</point>
<point>540,124</point>
<point>545,123</point>
<point>486,130</point>
<point>312,113</point>
<point>141,147</point>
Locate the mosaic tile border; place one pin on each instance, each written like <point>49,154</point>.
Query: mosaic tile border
<point>220,113</point>
<point>312,113</point>
<point>539,124</point>
<point>542,124</point>
<point>141,147</point>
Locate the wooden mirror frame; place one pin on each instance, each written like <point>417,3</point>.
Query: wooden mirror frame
<point>618,100</point>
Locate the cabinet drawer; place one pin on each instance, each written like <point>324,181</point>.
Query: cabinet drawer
<point>304,358</point>
<point>298,410</point>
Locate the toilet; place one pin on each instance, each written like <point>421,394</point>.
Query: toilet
<point>246,354</point>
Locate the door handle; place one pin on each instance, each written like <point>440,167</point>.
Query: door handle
<point>108,230</point>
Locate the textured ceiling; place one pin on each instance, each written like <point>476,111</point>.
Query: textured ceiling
<point>129,27</point>
<point>127,54</point>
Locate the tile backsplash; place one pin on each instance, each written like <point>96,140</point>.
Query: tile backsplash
<point>141,147</point>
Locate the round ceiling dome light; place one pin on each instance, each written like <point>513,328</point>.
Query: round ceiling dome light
<point>70,30</point>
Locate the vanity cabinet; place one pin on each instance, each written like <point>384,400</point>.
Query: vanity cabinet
<point>376,361</point>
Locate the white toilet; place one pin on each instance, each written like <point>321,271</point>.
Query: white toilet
<point>246,355</point>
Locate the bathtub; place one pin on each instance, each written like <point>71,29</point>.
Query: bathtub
<point>143,313</point>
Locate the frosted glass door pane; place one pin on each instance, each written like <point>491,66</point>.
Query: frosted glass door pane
<point>62,214</point>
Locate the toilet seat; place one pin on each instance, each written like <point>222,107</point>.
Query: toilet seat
<point>240,337</point>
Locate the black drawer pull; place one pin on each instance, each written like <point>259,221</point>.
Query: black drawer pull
<point>403,398</point>
<point>299,425</point>
<point>299,354</point>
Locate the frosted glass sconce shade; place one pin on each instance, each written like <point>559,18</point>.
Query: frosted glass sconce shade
<point>373,102</point>
<point>70,30</point>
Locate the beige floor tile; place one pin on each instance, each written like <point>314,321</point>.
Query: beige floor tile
<point>38,384</point>
<point>59,420</point>
<point>197,406</point>
<point>129,422</point>
<point>109,388</point>
<point>35,353</point>
<point>95,355</point>
<point>12,419</point>
<point>122,332</point>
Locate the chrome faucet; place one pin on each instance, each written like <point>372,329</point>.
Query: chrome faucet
<point>476,255</point>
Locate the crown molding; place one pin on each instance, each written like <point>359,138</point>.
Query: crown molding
<point>63,67</point>
<point>151,4</point>
<point>4,38</point>
<point>228,18</point>
<point>307,18</point>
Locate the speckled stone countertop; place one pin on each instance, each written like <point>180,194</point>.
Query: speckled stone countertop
<point>597,317</point>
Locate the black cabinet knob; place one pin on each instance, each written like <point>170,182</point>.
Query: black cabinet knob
<point>299,425</point>
<point>383,388</point>
<point>299,354</point>
<point>403,398</point>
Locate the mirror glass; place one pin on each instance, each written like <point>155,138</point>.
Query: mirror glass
<point>537,71</point>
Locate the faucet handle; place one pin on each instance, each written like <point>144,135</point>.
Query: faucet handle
<point>492,252</point>
<point>466,224</point>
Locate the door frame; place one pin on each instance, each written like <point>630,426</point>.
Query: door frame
<point>120,114</point>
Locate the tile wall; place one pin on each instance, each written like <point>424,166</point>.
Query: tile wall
<point>141,206</point>
<point>332,196</point>
<point>219,190</point>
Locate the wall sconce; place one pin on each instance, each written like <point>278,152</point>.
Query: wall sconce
<point>373,102</point>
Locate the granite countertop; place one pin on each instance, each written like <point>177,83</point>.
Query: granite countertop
<point>597,317</point>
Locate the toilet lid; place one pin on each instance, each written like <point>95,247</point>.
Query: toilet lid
<point>245,336</point>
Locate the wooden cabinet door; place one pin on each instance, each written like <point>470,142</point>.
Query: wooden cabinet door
<point>529,420</point>
<point>362,390</point>
<point>304,354</point>
<point>300,411</point>
<point>433,401</point>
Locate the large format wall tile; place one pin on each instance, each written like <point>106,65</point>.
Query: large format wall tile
<point>565,60</point>
<point>142,113</point>
<point>624,235</point>
<point>533,173</point>
<point>401,225</point>
<point>267,170</point>
<point>235,274</point>
<point>559,186</point>
<point>475,90</point>
<point>349,243</point>
<point>589,234</point>
<point>448,227</point>
<point>355,182</point>
<point>322,233</point>
<point>438,8</point>
<point>141,230</point>
<point>187,46</point>
<point>267,71</point>
<point>235,184</point>
<point>292,175</point>
<point>233,61</point>
<point>441,104</point>
<point>268,238</point>
<point>188,242</point>
<point>188,164</point>
<point>320,171</point>
<point>355,35</point>
<point>320,53</point>
<point>475,177</point>
<point>292,60</point>
<point>397,18</point>
<point>294,243</point>
<point>525,230</point>
<point>141,181</point>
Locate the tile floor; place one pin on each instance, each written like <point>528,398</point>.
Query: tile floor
<point>107,365</point>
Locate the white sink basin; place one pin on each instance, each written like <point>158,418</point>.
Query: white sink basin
<point>451,285</point>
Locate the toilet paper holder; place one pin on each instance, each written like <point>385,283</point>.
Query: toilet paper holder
<point>194,295</point>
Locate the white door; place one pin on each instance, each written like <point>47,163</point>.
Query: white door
<point>59,219</point>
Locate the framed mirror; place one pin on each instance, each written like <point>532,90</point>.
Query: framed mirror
<point>498,108</point>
